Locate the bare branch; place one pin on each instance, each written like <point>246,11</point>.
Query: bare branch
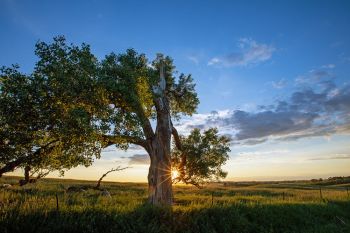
<point>105,174</point>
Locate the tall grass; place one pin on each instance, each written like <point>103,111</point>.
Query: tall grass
<point>257,208</point>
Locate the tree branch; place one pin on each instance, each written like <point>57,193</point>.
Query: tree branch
<point>138,110</point>
<point>187,181</point>
<point>176,137</point>
<point>104,175</point>
<point>146,125</point>
<point>10,166</point>
<point>113,139</point>
<point>178,144</point>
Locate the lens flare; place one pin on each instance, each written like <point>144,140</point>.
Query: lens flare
<point>174,174</point>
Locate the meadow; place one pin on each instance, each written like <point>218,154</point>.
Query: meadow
<point>48,206</point>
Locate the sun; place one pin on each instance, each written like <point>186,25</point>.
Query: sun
<point>174,174</point>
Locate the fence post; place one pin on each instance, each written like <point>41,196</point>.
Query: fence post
<point>212,198</point>
<point>57,207</point>
<point>347,191</point>
<point>283,196</point>
<point>321,194</point>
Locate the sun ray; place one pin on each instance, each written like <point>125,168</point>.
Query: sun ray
<point>174,174</point>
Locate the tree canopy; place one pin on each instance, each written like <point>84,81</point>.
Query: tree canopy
<point>72,106</point>
<point>200,157</point>
<point>50,119</point>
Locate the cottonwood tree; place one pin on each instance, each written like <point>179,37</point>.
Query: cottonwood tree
<point>142,95</point>
<point>48,119</point>
<point>122,100</point>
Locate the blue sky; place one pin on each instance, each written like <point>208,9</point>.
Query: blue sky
<point>283,64</point>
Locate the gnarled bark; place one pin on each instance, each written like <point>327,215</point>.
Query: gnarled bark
<point>159,176</point>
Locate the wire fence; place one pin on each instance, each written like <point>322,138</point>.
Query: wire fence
<point>62,198</point>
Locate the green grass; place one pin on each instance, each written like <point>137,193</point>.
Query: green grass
<point>254,207</point>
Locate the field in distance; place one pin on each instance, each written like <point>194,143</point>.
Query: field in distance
<point>58,205</point>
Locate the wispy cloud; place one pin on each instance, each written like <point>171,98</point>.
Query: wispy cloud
<point>279,84</point>
<point>332,157</point>
<point>251,52</point>
<point>260,153</point>
<point>193,59</point>
<point>21,18</point>
<point>328,66</point>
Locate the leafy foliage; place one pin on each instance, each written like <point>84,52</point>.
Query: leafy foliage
<point>201,157</point>
<point>131,83</point>
<point>71,106</point>
<point>51,118</point>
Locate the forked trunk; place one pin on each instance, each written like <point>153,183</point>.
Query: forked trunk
<point>160,189</point>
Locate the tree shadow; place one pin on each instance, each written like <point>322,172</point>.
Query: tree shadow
<point>239,217</point>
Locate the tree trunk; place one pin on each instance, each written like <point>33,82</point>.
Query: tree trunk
<point>160,189</point>
<point>159,177</point>
<point>26,173</point>
<point>26,176</point>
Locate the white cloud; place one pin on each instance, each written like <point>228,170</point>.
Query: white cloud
<point>279,84</point>
<point>328,66</point>
<point>251,52</point>
<point>193,59</point>
<point>214,61</point>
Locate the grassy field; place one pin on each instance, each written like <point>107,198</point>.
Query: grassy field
<point>235,207</point>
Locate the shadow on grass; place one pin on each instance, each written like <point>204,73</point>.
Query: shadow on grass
<point>331,217</point>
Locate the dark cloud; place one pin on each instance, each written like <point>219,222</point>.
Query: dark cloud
<point>309,112</point>
<point>138,159</point>
<point>340,100</point>
<point>319,74</point>
<point>196,126</point>
<point>263,124</point>
<point>249,142</point>
<point>314,76</point>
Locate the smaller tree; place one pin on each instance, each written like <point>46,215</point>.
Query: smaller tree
<point>198,158</point>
